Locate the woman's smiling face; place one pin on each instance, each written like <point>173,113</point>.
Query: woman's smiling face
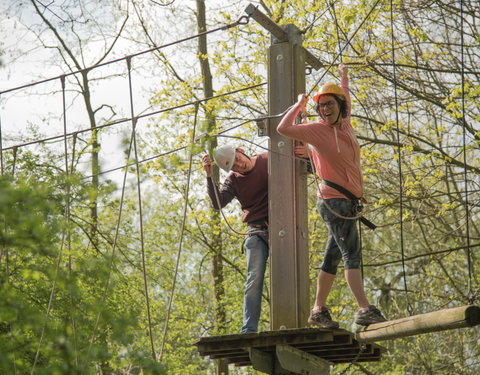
<point>328,109</point>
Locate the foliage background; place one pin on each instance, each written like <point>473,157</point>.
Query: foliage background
<point>89,261</point>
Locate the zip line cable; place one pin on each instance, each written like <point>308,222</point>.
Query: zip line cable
<point>180,244</point>
<point>121,121</point>
<point>243,20</point>
<point>399,150</point>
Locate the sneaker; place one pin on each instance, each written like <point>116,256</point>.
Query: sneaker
<point>322,319</point>
<point>369,315</point>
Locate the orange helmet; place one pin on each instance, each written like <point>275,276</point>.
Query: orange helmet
<point>330,89</point>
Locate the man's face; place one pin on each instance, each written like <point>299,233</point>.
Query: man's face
<point>242,163</point>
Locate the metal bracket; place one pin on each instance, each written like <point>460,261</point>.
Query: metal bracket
<point>287,360</point>
<point>262,125</point>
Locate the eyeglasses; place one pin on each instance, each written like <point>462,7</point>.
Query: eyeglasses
<point>328,104</point>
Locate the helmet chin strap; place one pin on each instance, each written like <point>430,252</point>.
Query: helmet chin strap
<point>338,118</point>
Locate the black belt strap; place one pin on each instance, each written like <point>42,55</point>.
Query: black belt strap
<point>352,197</point>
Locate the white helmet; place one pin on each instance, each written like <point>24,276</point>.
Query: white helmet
<point>224,156</point>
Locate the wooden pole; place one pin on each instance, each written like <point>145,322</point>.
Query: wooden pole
<point>287,189</point>
<point>458,317</point>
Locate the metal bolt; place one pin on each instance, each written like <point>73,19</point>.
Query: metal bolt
<point>281,144</point>
<point>282,233</point>
<point>279,57</point>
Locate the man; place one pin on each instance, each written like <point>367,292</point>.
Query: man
<point>247,181</point>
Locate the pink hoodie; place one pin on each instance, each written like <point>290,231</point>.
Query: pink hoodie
<point>336,152</point>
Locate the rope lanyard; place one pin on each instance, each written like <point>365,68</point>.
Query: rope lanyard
<point>399,150</point>
<point>217,198</point>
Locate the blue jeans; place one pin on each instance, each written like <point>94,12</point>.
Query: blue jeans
<point>343,241</point>
<point>256,249</point>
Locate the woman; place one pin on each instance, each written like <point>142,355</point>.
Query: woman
<point>336,156</point>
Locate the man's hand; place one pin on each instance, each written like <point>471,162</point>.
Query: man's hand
<point>207,165</point>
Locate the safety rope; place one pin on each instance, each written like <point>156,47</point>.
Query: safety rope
<point>68,239</point>
<point>180,244</point>
<point>140,210</point>
<point>49,306</point>
<point>399,150</point>
<point>310,26</point>
<point>361,350</point>
<point>465,172</point>
<point>337,27</point>
<point>219,205</point>
<point>1,146</point>
<point>114,245</point>
<point>355,217</point>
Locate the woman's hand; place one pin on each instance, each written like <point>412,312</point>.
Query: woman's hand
<point>302,99</point>
<point>342,70</point>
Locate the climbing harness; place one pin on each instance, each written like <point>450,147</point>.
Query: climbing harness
<point>259,232</point>
<point>357,203</point>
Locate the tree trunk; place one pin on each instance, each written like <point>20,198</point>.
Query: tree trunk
<point>95,167</point>
<point>217,266</point>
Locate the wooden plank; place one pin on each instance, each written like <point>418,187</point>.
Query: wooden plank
<point>458,317</point>
<point>299,362</point>
<point>262,361</point>
<point>335,346</point>
<point>212,344</point>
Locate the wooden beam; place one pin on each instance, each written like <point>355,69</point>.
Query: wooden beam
<point>267,23</point>
<point>458,317</point>
<point>280,34</point>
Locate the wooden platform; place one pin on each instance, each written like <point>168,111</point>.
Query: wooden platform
<point>334,346</point>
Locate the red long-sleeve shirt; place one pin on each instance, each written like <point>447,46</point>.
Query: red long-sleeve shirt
<point>336,151</point>
<point>251,190</point>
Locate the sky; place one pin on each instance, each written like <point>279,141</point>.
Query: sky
<point>41,105</point>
